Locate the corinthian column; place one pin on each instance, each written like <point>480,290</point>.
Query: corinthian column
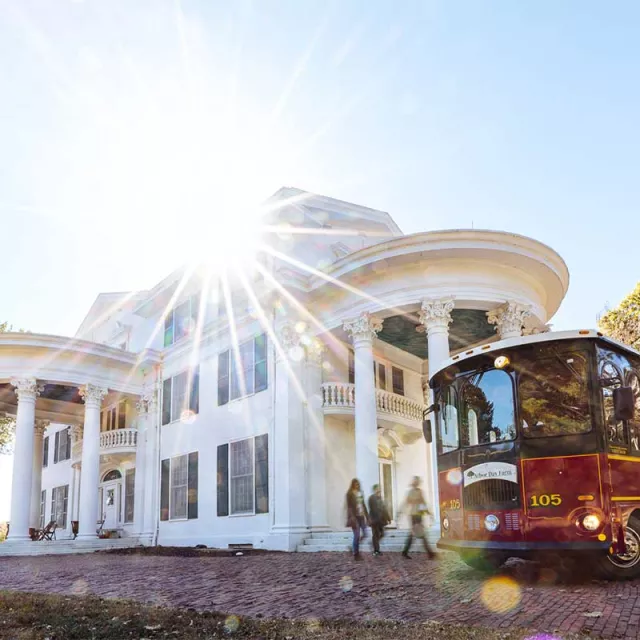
<point>435,315</point>
<point>36,481</point>
<point>145,512</point>
<point>509,319</point>
<point>363,330</point>
<point>90,472</point>
<point>27,392</point>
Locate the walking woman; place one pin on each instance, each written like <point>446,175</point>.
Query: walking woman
<point>378,518</point>
<point>415,505</point>
<point>357,516</point>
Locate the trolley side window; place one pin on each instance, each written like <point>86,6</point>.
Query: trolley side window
<point>448,439</point>
<point>554,395</point>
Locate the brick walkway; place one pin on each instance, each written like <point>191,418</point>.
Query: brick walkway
<point>331,585</point>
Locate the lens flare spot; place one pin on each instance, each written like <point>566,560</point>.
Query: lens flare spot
<point>296,353</point>
<point>501,594</point>
<point>327,366</point>
<point>301,327</point>
<point>454,477</point>
<point>346,584</point>
<point>323,264</point>
<point>80,587</point>
<point>306,340</point>
<point>187,417</point>
<point>232,624</point>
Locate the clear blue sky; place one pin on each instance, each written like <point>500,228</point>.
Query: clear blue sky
<point>127,126</point>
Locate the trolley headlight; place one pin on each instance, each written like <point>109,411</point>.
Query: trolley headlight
<point>445,523</point>
<point>491,522</point>
<point>591,522</point>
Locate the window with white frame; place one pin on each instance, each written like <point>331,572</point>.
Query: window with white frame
<point>43,502</point>
<point>114,417</point>
<point>181,321</point>
<point>242,372</point>
<point>129,494</point>
<point>243,477</point>
<point>179,482</point>
<point>241,466</point>
<point>62,445</point>
<point>59,500</point>
<point>180,394</point>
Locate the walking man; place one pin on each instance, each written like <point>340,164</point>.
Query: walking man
<point>378,518</point>
<point>416,506</point>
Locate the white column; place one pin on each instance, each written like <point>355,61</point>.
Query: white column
<point>27,391</point>
<point>509,319</point>
<point>363,330</point>
<point>288,443</point>
<point>435,315</point>
<point>146,462</point>
<point>315,438</point>
<point>151,480</point>
<point>36,480</point>
<point>90,471</point>
<point>76,437</point>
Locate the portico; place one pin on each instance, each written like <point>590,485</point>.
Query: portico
<point>57,380</point>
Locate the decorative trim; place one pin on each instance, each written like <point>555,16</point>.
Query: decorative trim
<point>146,403</point>
<point>509,318</point>
<point>77,432</point>
<point>40,426</point>
<point>436,313</point>
<point>363,328</point>
<point>26,388</point>
<point>92,394</point>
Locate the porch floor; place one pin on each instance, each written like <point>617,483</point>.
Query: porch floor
<point>393,540</point>
<point>65,547</point>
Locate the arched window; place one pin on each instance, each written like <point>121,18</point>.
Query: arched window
<point>114,474</point>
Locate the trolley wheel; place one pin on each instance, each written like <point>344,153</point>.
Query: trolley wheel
<point>623,566</point>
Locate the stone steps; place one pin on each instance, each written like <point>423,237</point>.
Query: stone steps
<point>64,547</point>
<point>340,541</point>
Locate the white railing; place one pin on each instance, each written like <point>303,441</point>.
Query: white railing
<point>343,394</point>
<point>338,394</point>
<point>399,405</point>
<point>118,438</point>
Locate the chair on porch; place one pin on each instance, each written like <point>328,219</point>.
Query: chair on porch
<point>49,532</point>
<point>100,524</point>
<point>74,528</point>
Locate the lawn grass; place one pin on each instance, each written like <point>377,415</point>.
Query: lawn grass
<point>27,616</point>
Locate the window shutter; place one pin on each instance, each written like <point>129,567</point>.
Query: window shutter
<point>382,376</point>
<point>192,486</point>
<point>262,474</point>
<point>67,443</point>
<point>168,329</point>
<point>223,378</point>
<point>65,505</point>
<point>56,448</point>
<point>166,401</point>
<point>397,377</point>
<point>164,489</point>
<point>223,480</point>
<point>260,363</point>
<point>45,452</point>
<point>129,494</point>
<point>194,395</point>
<point>352,368</point>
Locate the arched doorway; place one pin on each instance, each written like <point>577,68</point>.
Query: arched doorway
<point>111,499</point>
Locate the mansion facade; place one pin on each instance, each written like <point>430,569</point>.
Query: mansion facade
<point>234,409</point>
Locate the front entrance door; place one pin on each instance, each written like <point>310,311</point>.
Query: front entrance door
<point>110,502</point>
<point>386,484</point>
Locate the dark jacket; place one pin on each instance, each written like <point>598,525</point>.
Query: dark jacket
<point>352,510</point>
<point>378,513</point>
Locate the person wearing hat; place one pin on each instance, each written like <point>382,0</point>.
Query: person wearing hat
<point>378,518</point>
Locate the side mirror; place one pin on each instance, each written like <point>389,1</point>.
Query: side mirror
<point>623,403</point>
<point>427,432</point>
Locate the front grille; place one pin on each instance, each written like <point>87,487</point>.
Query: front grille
<point>490,493</point>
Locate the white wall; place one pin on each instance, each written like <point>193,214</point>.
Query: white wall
<point>340,467</point>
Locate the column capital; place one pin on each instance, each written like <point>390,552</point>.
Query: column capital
<point>363,328</point>
<point>76,433</point>
<point>315,351</point>
<point>93,394</point>
<point>509,318</point>
<point>146,403</point>
<point>40,426</point>
<point>27,389</point>
<point>436,313</point>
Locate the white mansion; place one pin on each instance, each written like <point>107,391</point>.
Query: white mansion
<point>236,410</point>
